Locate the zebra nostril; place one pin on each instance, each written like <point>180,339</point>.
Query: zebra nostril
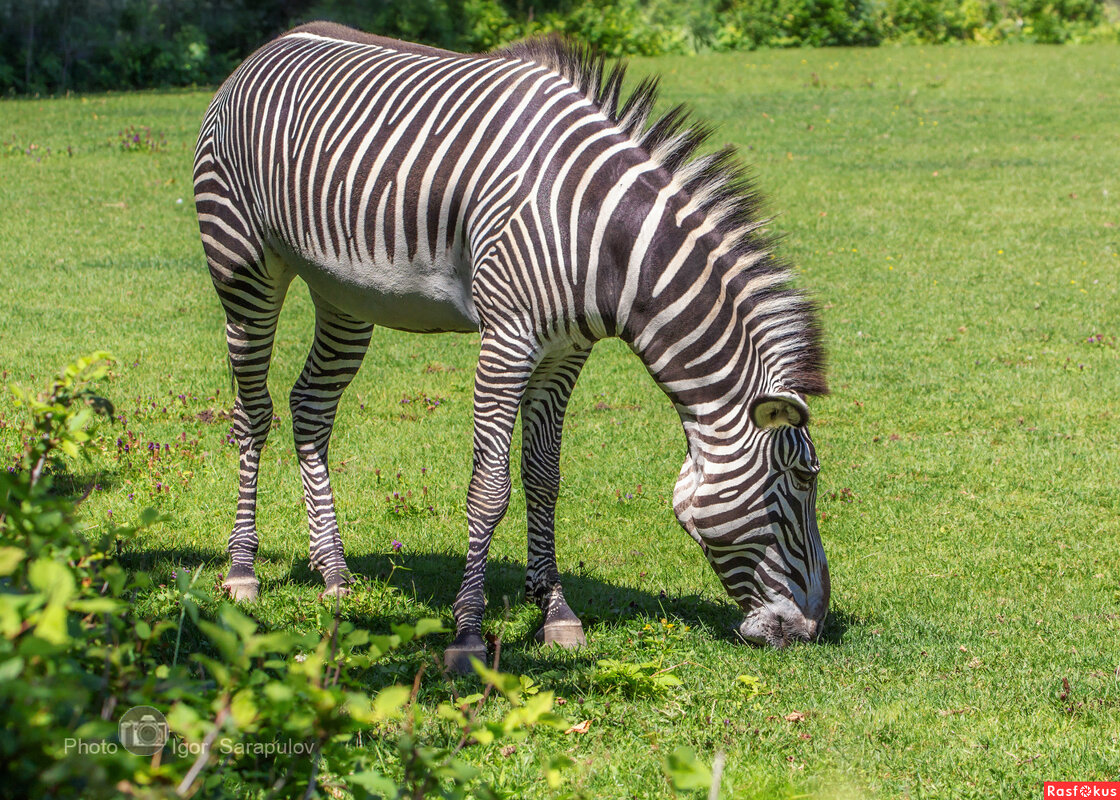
<point>798,629</point>
<point>812,630</point>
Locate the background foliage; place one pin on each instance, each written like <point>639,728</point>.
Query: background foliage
<point>89,45</point>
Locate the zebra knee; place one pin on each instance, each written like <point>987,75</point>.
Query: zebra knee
<point>311,424</point>
<point>252,420</point>
<point>489,494</point>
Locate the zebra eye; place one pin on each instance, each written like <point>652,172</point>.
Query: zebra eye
<point>802,476</point>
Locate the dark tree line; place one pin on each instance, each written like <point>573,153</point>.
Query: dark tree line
<point>54,46</point>
<point>89,45</point>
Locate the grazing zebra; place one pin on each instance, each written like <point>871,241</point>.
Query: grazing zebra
<point>514,194</point>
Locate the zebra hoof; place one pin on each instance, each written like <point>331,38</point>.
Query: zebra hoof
<point>332,592</point>
<point>457,657</point>
<point>242,590</point>
<point>565,633</point>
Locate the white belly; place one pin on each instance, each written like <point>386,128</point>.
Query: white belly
<point>428,297</point>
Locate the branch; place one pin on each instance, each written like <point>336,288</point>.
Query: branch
<point>199,763</point>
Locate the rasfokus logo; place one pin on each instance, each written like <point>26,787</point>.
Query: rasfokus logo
<point>1081,789</point>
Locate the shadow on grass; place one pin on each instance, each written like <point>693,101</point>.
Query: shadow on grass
<point>76,486</point>
<point>434,579</point>
<point>836,625</point>
<point>149,559</point>
<point>431,581</point>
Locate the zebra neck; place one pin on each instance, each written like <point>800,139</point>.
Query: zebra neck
<point>700,348</point>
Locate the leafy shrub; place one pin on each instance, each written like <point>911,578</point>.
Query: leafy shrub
<point>751,24</point>
<point>279,711</point>
<point>634,680</point>
<point>120,44</point>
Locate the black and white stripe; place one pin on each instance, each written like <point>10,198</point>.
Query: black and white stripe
<point>515,194</point>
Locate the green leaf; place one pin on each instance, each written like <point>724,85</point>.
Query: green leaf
<point>485,736</point>
<point>244,709</point>
<point>11,618</point>
<point>375,783</point>
<point>10,558</point>
<point>685,771</point>
<point>97,605</point>
<point>143,629</point>
<point>11,669</point>
<point>390,701</point>
<point>555,768</point>
<point>278,692</point>
<point>536,706</point>
<point>508,685</point>
<point>428,625</point>
<point>52,625</point>
<point>215,668</point>
<point>191,607</point>
<point>379,645</point>
<point>226,642</point>
<point>117,578</point>
<point>53,579</point>
<point>404,632</point>
<point>451,714</point>
<point>461,772</point>
<point>238,622</point>
<point>274,642</point>
<point>469,699</point>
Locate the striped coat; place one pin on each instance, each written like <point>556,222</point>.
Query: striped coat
<point>515,194</point>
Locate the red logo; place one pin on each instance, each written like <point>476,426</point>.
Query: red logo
<point>1081,790</point>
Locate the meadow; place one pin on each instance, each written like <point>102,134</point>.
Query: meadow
<point>956,213</point>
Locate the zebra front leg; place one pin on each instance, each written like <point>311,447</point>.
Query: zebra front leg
<point>504,367</point>
<point>542,420</point>
<point>336,354</point>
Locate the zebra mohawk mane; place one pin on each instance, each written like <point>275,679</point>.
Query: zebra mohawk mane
<point>718,184</point>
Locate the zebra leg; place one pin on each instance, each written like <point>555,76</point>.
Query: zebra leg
<point>504,367</point>
<point>250,350</point>
<point>252,299</point>
<point>251,288</point>
<point>336,354</point>
<point>542,420</point>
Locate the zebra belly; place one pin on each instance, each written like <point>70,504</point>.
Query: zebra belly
<point>424,298</point>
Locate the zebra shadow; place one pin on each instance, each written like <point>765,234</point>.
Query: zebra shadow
<point>428,583</point>
<point>432,579</point>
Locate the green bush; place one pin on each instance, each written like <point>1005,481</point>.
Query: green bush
<point>74,655</point>
<point>120,44</point>
<point>750,24</point>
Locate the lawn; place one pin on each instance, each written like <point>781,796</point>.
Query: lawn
<point>956,212</point>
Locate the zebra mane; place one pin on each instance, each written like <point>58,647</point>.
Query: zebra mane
<point>718,184</point>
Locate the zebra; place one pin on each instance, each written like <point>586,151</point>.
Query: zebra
<point>517,195</point>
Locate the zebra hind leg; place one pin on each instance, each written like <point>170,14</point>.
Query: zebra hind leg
<point>542,419</point>
<point>336,354</point>
<point>250,337</point>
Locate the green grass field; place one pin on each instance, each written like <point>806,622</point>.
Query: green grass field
<point>954,210</point>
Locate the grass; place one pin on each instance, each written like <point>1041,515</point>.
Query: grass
<point>955,212</point>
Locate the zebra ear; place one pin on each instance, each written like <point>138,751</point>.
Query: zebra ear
<point>779,411</point>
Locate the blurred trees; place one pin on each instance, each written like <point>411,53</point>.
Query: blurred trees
<point>89,45</point>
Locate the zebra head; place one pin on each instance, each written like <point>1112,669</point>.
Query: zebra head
<point>752,508</point>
